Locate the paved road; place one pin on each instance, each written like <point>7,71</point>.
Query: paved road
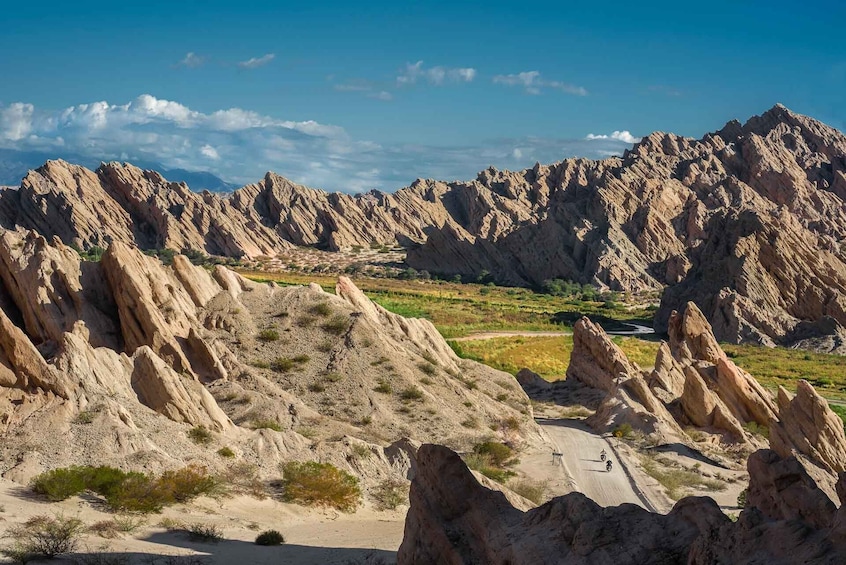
<point>581,448</point>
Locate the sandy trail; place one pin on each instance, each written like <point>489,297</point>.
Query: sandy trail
<point>496,334</point>
<point>581,448</point>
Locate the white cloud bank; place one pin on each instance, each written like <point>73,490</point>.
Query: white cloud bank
<point>256,62</point>
<point>533,83</point>
<point>624,136</point>
<point>240,145</point>
<point>436,76</point>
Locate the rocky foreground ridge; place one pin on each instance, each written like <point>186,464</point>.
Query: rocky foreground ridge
<point>793,513</point>
<point>116,361</point>
<point>749,222</point>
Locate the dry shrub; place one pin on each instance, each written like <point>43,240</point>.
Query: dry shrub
<point>320,484</point>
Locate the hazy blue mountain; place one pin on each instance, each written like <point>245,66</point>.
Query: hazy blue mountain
<point>14,165</point>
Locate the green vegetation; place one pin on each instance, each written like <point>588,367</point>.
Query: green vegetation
<point>226,452</point>
<point>779,366</point>
<point>336,325</point>
<point>128,491</point>
<point>286,364</point>
<point>411,393</point>
<point>321,309</point>
<point>94,253</point>
<point>270,537</point>
<point>200,435</point>
<point>457,309</point>
<point>840,410</point>
<point>623,431</point>
<point>267,335</point>
<point>389,494</point>
<point>492,459</point>
<point>267,425</point>
<point>383,387</point>
<point>319,484</point>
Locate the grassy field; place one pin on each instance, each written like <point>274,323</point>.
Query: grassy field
<point>459,309</point>
<point>547,356</point>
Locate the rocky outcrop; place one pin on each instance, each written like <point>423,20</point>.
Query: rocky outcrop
<point>747,222</point>
<point>453,519</point>
<point>118,361</point>
<point>808,426</point>
<point>180,399</point>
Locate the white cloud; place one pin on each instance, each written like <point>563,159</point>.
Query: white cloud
<point>191,60</point>
<point>437,76</point>
<point>624,136</point>
<point>210,152</point>
<point>16,121</point>
<point>256,62</point>
<point>240,145</point>
<point>533,83</point>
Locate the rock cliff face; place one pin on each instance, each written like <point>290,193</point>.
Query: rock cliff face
<point>749,222</point>
<point>455,520</point>
<point>116,361</point>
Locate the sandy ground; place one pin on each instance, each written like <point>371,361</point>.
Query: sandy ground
<point>312,536</point>
<point>494,335</point>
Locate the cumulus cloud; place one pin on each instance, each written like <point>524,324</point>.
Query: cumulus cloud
<point>191,60</point>
<point>256,62</point>
<point>533,83</point>
<point>624,136</point>
<point>240,145</point>
<point>436,76</point>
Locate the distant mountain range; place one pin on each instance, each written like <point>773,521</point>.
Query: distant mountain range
<point>749,222</point>
<point>14,165</point>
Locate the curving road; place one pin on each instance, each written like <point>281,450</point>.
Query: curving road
<point>581,448</point>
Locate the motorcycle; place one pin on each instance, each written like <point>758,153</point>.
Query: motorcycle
<point>608,466</point>
<point>602,456</point>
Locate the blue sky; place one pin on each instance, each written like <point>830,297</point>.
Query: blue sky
<point>349,97</point>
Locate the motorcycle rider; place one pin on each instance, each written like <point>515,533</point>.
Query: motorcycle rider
<point>608,466</point>
<point>602,455</point>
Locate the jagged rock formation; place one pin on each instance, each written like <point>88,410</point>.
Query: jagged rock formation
<point>695,384</point>
<point>115,361</point>
<point>749,222</point>
<point>455,520</point>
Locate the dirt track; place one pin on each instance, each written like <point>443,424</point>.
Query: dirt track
<point>581,448</point>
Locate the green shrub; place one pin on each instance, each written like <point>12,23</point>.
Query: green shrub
<point>200,435</point>
<point>268,335</point>
<point>60,484</point>
<point>427,368</point>
<point>757,429</point>
<point>389,494</point>
<point>333,377</point>
<point>189,482</point>
<point>320,484</point>
<point>226,452</point>
<point>282,364</point>
<point>499,454</point>
<point>267,424</point>
<point>139,493</point>
<point>742,498</point>
<point>411,393</point>
<point>299,359</point>
<point>383,387</point>
<point>321,309</point>
<point>270,537</point>
<point>43,537</point>
<point>337,324</point>
<point>85,417</point>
